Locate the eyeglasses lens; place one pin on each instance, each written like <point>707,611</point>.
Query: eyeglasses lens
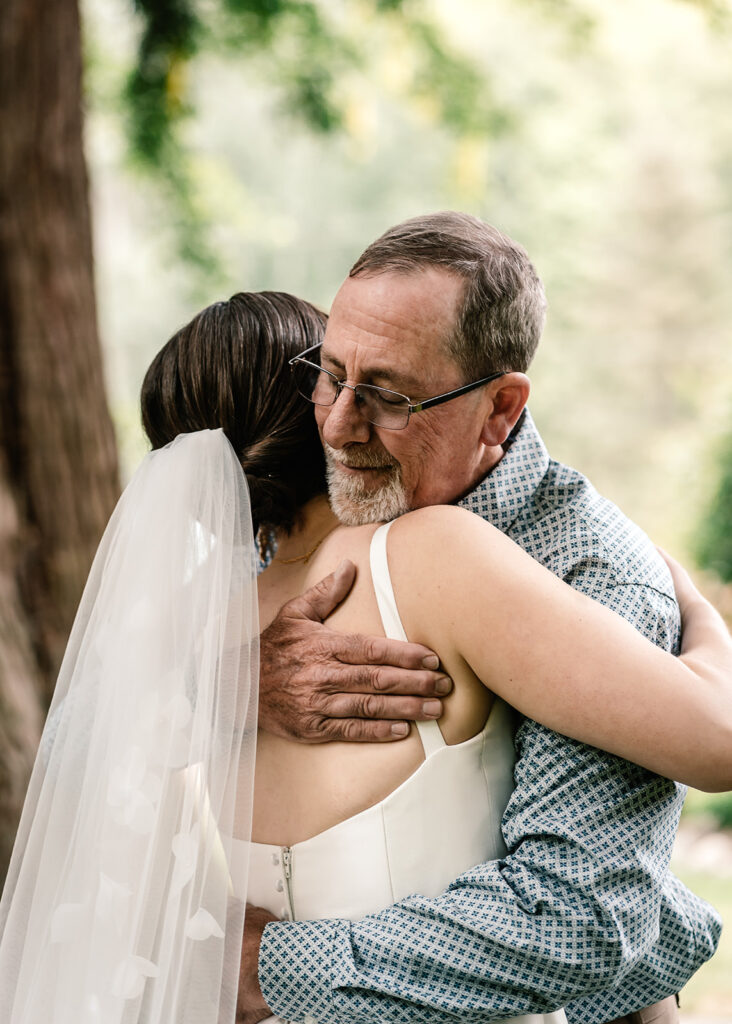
<point>318,386</point>
<point>381,407</point>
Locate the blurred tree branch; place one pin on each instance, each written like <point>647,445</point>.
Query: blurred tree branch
<point>719,12</point>
<point>309,49</point>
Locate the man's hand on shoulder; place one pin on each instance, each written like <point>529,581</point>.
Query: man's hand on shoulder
<point>317,685</point>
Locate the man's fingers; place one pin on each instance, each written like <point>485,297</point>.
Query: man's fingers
<point>382,679</point>
<point>376,707</point>
<point>364,730</point>
<point>324,597</point>
<point>318,685</point>
<point>380,650</point>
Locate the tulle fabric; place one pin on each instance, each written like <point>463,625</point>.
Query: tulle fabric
<point>125,898</point>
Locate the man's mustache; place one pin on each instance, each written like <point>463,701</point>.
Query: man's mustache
<point>359,458</point>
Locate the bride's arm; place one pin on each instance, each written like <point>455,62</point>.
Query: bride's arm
<point>563,659</point>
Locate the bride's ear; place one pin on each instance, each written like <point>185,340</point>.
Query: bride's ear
<point>509,395</point>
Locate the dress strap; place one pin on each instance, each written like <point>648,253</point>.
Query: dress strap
<point>429,732</point>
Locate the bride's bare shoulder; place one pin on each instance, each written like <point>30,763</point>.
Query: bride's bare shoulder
<point>441,524</point>
<point>449,544</point>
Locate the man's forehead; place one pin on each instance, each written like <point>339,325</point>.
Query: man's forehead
<point>399,300</point>
<point>374,366</point>
<point>392,319</point>
<point>375,318</point>
<point>404,363</point>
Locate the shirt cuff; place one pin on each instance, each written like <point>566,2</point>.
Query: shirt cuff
<point>295,969</point>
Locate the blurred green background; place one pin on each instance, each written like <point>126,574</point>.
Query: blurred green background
<point>604,145</point>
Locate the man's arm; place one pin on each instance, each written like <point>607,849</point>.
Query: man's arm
<point>317,685</point>
<point>572,909</point>
<point>564,914</point>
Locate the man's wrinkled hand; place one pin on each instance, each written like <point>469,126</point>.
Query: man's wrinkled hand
<point>317,685</point>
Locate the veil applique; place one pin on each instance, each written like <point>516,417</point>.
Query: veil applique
<point>125,898</point>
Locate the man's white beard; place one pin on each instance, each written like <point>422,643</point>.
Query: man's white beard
<point>353,502</point>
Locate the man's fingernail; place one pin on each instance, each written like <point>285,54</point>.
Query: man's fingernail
<point>399,729</point>
<point>431,661</point>
<point>433,708</point>
<point>443,685</point>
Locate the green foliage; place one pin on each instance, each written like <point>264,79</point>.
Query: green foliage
<point>716,806</point>
<point>615,175</point>
<point>154,92</point>
<point>718,12</point>
<point>157,104</point>
<point>714,546</point>
<point>721,809</point>
<point>459,89</point>
<point>310,50</point>
<point>578,22</point>
<point>310,56</point>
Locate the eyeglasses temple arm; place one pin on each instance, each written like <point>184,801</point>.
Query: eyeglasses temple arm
<point>430,402</point>
<point>305,352</point>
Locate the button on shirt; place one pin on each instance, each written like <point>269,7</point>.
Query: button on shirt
<point>583,911</point>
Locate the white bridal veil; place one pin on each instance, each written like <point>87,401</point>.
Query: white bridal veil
<point>124,903</point>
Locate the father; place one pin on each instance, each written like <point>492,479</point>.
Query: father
<point>583,910</point>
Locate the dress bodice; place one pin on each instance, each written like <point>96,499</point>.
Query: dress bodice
<point>444,818</point>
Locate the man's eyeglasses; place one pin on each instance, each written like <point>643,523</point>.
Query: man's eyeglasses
<point>379,406</point>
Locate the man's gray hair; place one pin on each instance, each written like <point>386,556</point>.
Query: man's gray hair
<point>503,309</point>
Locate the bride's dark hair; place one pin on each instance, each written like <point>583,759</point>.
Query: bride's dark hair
<point>228,368</point>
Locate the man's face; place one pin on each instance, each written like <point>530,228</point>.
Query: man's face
<point>390,330</point>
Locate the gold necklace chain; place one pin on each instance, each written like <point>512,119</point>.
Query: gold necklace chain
<point>308,554</point>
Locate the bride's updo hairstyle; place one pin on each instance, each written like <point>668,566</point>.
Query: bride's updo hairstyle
<point>229,368</point>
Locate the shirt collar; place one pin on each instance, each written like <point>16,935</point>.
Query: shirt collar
<point>510,485</point>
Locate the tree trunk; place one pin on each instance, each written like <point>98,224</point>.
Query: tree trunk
<point>58,463</point>
<point>20,710</point>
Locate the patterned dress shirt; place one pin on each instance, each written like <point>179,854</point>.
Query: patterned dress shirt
<point>583,911</point>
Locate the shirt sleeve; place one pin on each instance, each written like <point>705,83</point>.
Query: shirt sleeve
<point>573,909</point>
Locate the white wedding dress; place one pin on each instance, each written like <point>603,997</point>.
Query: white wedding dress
<point>124,901</point>
<point>442,820</point>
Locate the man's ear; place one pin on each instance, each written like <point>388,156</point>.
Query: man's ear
<point>510,395</point>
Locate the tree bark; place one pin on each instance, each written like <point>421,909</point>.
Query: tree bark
<point>20,709</point>
<point>58,462</point>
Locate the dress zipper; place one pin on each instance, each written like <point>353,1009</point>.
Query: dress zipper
<point>287,865</point>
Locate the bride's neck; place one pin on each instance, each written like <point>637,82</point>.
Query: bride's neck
<point>315,522</point>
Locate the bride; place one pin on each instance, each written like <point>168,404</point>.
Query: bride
<point>149,820</point>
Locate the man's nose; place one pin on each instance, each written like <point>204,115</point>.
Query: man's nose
<point>345,422</point>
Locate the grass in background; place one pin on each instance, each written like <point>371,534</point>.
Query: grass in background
<point>709,993</point>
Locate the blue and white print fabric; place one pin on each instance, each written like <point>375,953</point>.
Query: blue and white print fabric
<point>583,911</point>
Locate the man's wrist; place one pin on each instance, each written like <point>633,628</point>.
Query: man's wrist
<point>251,1006</point>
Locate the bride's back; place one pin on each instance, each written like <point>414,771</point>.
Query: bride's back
<point>228,368</point>
<point>303,789</point>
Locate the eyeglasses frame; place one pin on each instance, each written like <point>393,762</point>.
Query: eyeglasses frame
<point>428,403</point>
